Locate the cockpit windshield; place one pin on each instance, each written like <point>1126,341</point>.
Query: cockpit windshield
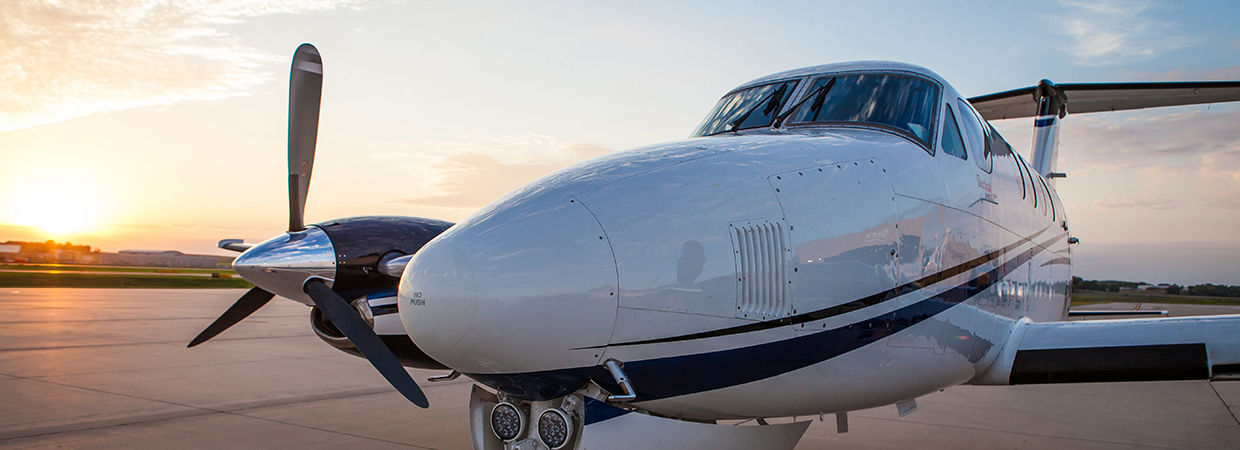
<point>755,107</point>
<point>887,100</point>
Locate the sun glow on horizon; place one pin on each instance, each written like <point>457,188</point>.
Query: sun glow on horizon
<point>58,208</point>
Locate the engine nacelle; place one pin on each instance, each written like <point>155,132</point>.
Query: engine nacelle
<point>380,311</point>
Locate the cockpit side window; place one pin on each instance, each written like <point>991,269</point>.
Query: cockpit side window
<point>952,144</point>
<point>978,141</point>
<point>755,107</point>
<point>902,103</point>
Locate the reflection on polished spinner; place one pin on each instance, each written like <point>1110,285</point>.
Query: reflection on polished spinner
<point>287,261</point>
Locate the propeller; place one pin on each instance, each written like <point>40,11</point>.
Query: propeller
<point>293,264</point>
<point>345,318</point>
<point>305,91</point>
<point>245,306</point>
<point>304,94</point>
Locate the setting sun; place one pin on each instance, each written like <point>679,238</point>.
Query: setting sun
<point>58,208</point>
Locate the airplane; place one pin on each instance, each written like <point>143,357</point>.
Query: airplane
<point>829,239</point>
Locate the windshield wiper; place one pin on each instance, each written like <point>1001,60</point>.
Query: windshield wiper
<point>771,101</point>
<point>815,107</point>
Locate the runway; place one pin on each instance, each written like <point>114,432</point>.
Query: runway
<point>108,368</point>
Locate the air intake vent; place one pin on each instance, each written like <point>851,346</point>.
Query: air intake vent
<point>763,258</point>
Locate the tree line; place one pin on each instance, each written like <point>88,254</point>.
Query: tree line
<point>1212,290</point>
<point>49,246</point>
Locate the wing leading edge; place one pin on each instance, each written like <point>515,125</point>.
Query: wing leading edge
<point>1183,348</point>
<point>1100,97</point>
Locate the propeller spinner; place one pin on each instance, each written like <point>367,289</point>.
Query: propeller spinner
<point>313,264</point>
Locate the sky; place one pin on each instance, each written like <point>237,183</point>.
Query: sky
<point>147,124</point>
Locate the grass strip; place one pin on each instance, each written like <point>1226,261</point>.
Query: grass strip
<point>89,280</point>
<point>1081,297</point>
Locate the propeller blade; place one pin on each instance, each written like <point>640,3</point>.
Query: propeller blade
<point>364,338</point>
<point>245,306</point>
<point>305,91</point>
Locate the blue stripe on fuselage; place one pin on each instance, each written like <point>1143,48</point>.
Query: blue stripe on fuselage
<point>597,411</point>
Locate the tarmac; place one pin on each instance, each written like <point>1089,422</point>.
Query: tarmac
<point>108,368</point>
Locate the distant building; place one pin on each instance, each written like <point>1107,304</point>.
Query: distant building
<point>1161,287</point>
<point>166,258</point>
<point>8,252</point>
<point>52,253</point>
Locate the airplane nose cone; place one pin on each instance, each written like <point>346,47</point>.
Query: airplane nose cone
<point>527,284</point>
<point>440,275</point>
<point>284,263</point>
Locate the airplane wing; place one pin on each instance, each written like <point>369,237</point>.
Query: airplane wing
<point>1099,97</point>
<point>1182,348</point>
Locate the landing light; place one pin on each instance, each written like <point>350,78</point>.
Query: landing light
<point>507,421</point>
<point>554,428</point>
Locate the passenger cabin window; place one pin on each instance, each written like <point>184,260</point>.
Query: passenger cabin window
<point>1046,195</point>
<point>755,107</point>
<point>1024,194</point>
<point>999,147</point>
<point>952,144</point>
<point>1051,197</point>
<point>979,142</point>
<point>1033,189</point>
<point>900,103</point>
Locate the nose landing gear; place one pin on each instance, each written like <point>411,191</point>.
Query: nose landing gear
<point>510,424</point>
<point>580,420</point>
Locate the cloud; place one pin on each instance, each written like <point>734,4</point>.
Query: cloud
<point>1194,155</point>
<point>61,59</point>
<point>471,173</point>
<point>1136,203</point>
<point>1198,140</point>
<point>1110,32</point>
<point>1229,201</point>
<point>1186,159</point>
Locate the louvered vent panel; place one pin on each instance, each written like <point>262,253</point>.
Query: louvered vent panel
<point>762,270</point>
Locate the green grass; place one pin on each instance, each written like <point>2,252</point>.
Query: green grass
<point>90,280</point>
<point>1082,297</point>
<point>84,268</point>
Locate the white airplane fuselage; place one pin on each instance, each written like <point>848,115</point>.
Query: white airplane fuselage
<point>768,272</point>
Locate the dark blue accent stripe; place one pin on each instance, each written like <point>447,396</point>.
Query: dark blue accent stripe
<point>1039,123</point>
<point>382,294</point>
<point>597,411</point>
<point>682,375</point>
